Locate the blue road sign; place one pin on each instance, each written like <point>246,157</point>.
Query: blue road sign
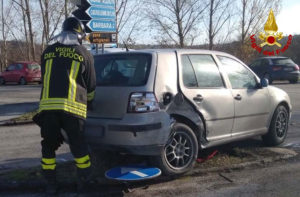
<point>132,173</point>
<point>102,25</point>
<point>101,13</point>
<point>110,3</point>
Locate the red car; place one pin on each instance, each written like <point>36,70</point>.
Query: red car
<point>22,73</point>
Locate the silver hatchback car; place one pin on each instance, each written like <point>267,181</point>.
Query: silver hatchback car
<point>169,104</point>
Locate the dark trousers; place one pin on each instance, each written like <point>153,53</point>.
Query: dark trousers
<point>51,125</point>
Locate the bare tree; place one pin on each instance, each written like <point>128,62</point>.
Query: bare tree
<point>31,35</point>
<point>176,20</point>
<point>219,14</point>
<point>25,28</point>
<point>4,48</point>
<point>253,14</point>
<point>52,13</point>
<point>6,22</point>
<point>128,18</point>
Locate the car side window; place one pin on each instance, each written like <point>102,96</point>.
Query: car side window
<point>256,63</point>
<point>265,62</point>
<point>19,66</point>
<point>206,71</point>
<point>240,77</point>
<point>188,73</point>
<point>11,67</point>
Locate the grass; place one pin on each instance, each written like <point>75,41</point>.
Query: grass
<point>25,117</point>
<point>102,161</point>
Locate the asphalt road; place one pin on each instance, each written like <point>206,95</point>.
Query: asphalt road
<point>20,147</point>
<point>18,99</point>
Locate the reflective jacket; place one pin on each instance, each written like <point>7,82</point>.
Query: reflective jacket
<point>69,79</point>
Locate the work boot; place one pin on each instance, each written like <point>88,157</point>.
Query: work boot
<point>51,184</point>
<point>84,180</point>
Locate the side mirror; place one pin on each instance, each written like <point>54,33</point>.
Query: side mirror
<point>264,82</point>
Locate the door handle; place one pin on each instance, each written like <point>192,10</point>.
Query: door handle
<point>198,98</point>
<point>238,97</point>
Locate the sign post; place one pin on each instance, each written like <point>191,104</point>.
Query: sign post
<point>99,18</point>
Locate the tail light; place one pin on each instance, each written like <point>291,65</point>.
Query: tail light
<point>142,102</point>
<point>296,67</point>
<point>276,68</point>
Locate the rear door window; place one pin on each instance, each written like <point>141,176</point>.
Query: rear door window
<point>19,66</point>
<point>122,69</point>
<point>257,63</point>
<point>205,69</point>
<point>188,73</point>
<point>11,67</point>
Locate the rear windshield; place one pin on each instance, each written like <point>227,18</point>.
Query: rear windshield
<point>122,69</point>
<point>34,67</point>
<point>282,61</point>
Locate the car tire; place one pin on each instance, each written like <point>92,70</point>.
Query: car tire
<point>278,127</point>
<point>180,153</point>
<point>22,81</point>
<point>2,81</point>
<point>267,76</point>
<point>294,81</point>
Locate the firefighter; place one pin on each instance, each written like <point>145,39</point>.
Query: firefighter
<point>69,83</point>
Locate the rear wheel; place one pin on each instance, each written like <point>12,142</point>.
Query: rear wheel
<point>2,81</point>
<point>267,76</point>
<point>180,153</point>
<point>22,81</point>
<point>278,128</point>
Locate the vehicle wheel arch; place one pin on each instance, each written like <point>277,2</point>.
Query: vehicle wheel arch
<point>276,136</point>
<point>3,80</point>
<point>283,103</point>
<point>199,130</point>
<point>23,77</point>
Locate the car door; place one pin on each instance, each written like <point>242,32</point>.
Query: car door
<point>202,84</point>
<point>10,72</point>
<point>18,72</point>
<point>251,102</point>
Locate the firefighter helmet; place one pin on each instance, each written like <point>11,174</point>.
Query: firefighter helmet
<point>74,25</point>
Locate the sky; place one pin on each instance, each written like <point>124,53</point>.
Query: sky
<point>288,21</point>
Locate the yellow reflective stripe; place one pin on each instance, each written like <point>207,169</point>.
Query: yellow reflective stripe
<point>72,79</point>
<point>48,167</point>
<point>65,102</point>
<point>47,76</point>
<point>69,109</point>
<point>90,96</point>
<point>83,162</point>
<point>59,105</point>
<point>65,108</point>
<point>84,165</point>
<point>48,161</point>
<point>82,159</point>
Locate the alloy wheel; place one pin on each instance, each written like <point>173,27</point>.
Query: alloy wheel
<point>179,151</point>
<point>281,124</point>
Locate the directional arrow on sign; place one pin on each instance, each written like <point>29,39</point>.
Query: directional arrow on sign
<point>102,25</point>
<point>101,13</point>
<point>109,3</point>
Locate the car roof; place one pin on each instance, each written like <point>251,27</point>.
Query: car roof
<point>273,57</point>
<point>186,51</point>
<point>24,62</point>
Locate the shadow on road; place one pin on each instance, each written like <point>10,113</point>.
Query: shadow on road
<point>16,109</point>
